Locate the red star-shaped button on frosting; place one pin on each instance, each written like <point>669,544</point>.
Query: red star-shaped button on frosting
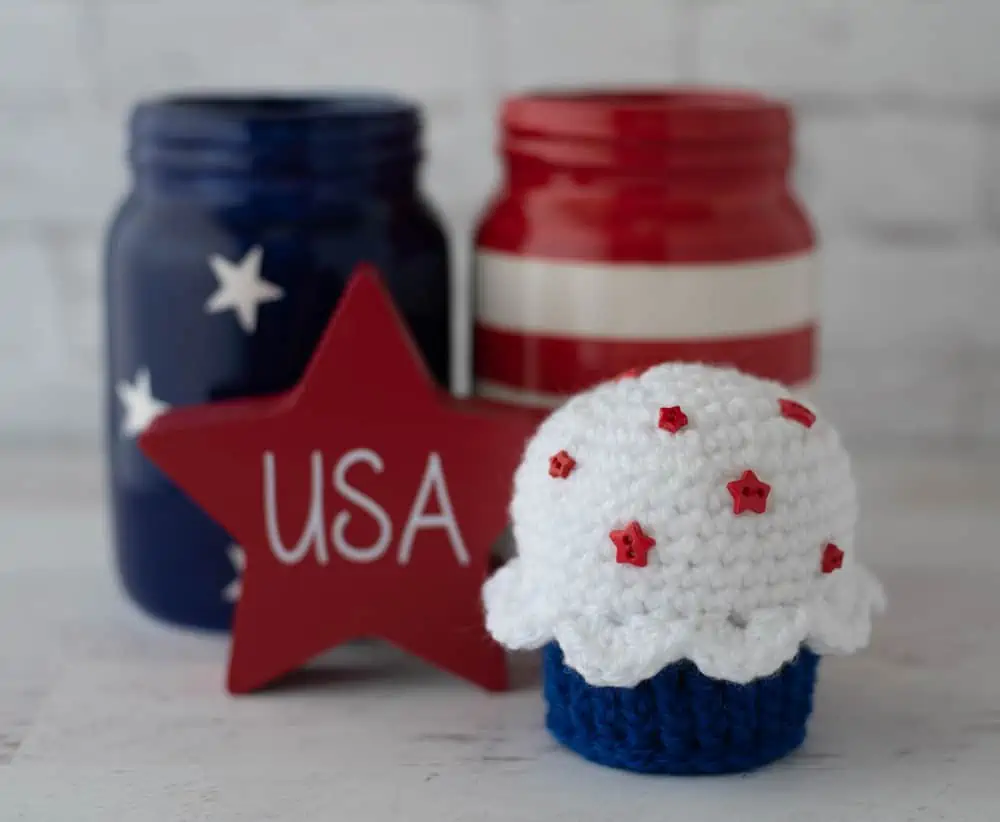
<point>749,494</point>
<point>366,500</point>
<point>672,419</point>
<point>797,412</point>
<point>632,546</point>
<point>629,374</point>
<point>833,559</point>
<point>561,465</point>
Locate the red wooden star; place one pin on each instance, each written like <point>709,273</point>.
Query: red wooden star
<point>749,493</point>
<point>632,546</point>
<point>366,500</point>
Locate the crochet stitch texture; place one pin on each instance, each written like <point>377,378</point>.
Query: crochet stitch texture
<point>737,594</point>
<point>681,721</point>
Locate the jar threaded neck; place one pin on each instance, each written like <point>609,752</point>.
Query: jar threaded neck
<point>649,134</point>
<point>349,140</point>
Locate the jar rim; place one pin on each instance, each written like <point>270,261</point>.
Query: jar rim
<point>194,115</point>
<point>276,136</point>
<point>648,114</point>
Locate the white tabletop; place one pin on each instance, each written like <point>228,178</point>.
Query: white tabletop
<point>106,715</point>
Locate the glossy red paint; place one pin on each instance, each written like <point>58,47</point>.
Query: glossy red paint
<point>673,177</point>
<point>564,365</point>
<point>678,177</point>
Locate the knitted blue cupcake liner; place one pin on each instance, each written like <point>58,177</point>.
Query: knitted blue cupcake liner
<point>681,721</point>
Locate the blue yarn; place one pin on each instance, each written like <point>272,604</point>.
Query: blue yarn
<point>681,721</point>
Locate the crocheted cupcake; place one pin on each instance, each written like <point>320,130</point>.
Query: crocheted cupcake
<point>685,551</point>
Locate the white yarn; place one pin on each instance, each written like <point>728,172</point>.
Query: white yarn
<point>735,594</point>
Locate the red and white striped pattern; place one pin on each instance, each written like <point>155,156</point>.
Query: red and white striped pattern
<point>546,329</point>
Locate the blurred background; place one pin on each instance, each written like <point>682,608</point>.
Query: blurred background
<point>899,136</point>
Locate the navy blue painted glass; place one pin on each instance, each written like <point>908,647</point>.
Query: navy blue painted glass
<point>315,185</point>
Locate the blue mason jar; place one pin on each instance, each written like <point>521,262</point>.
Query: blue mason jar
<point>224,264</point>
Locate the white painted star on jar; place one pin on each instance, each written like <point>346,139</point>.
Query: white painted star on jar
<point>241,288</point>
<point>138,403</point>
<point>238,558</point>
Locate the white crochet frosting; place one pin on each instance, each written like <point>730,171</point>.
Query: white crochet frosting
<point>737,594</point>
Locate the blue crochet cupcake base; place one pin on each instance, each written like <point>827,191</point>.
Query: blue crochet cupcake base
<point>681,721</point>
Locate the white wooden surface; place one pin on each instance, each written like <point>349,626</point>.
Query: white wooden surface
<point>106,715</point>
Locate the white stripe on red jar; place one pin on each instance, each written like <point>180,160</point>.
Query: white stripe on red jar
<point>634,229</point>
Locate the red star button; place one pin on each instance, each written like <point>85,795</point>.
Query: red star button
<point>366,500</point>
<point>797,412</point>
<point>749,494</point>
<point>561,465</point>
<point>833,559</point>
<point>632,546</point>
<point>672,419</point>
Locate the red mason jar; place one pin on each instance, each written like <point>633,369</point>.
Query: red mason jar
<point>636,228</point>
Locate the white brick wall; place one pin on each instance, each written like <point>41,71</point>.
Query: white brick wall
<point>939,51</point>
<point>60,165</point>
<point>567,42</point>
<point>431,49</point>
<point>43,51</point>
<point>891,173</point>
<point>899,106</point>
